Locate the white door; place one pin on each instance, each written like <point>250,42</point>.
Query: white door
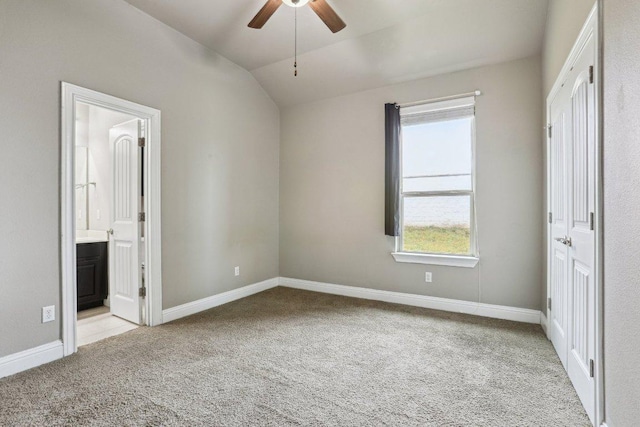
<point>572,183</point>
<point>581,195</point>
<point>558,251</point>
<point>124,264</point>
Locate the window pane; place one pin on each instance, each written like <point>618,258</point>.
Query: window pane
<point>438,225</point>
<point>437,156</point>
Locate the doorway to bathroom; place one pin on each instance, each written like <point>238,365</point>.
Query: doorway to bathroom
<point>108,196</point>
<point>110,216</point>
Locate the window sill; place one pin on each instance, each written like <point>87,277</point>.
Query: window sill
<point>449,260</point>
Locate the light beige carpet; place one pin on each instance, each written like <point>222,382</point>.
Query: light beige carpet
<point>289,357</point>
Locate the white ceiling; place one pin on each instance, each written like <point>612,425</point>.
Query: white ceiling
<point>385,42</point>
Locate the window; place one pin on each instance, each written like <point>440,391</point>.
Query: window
<point>437,215</point>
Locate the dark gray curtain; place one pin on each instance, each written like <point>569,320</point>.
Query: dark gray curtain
<point>392,170</point>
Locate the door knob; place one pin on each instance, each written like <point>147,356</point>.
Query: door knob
<point>110,231</point>
<point>564,240</point>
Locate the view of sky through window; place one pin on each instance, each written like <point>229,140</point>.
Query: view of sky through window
<point>431,151</point>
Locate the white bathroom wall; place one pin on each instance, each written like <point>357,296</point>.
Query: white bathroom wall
<point>82,143</point>
<point>100,121</point>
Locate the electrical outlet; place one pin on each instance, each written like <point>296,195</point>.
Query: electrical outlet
<point>97,213</point>
<point>48,314</point>
<point>237,271</point>
<point>428,277</point>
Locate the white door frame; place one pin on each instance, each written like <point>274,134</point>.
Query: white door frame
<point>71,95</point>
<point>591,28</point>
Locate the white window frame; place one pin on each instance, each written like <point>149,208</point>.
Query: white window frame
<point>453,260</point>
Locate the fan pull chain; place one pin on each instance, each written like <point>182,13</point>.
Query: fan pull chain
<point>295,42</point>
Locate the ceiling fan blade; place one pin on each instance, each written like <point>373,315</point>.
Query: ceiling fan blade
<point>328,15</point>
<point>265,13</point>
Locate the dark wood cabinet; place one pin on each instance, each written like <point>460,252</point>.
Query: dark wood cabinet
<point>92,267</point>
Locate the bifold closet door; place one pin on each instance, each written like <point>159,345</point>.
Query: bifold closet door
<point>572,309</point>
<point>581,194</point>
<point>558,250</point>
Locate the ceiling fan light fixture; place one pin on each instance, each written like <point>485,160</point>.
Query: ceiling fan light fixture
<point>295,3</point>
<point>320,7</point>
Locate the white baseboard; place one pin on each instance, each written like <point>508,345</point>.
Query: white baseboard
<point>46,353</point>
<point>27,359</point>
<point>435,303</point>
<point>543,321</point>
<point>194,307</point>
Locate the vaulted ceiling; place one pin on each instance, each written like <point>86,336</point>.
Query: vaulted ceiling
<point>385,41</point>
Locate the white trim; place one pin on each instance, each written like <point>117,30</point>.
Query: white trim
<point>153,243</point>
<point>597,17</point>
<point>475,93</point>
<point>203,304</point>
<point>27,359</point>
<point>472,196</point>
<point>435,303</point>
<point>46,353</point>
<point>430,107</point>
<point>433,259</point>
<point>543,322</point>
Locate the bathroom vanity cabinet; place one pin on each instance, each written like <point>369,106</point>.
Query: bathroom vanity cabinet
<point>92,267</point>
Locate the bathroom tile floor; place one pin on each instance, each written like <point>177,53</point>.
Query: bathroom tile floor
<point>98,323</point>
<point>84,314</point>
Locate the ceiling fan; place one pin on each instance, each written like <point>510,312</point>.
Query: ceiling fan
<point>320,7</point>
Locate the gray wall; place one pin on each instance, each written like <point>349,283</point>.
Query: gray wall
<point>565,19</point>
<point>332,189</point>
<point>220,175</point>
<point>622,210</point>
